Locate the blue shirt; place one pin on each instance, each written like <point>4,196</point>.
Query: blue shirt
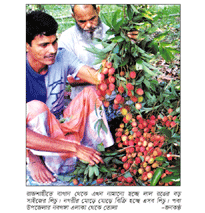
<point>49,88</point>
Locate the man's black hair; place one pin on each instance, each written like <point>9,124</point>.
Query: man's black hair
<point>73,5</point>
<point>39,23</point>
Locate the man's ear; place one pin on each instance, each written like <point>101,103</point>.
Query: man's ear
<point>27,46</point>
<point>73,15</point>
<point>98,9</point>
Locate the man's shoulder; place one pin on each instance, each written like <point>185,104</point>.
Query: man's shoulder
<point>105,27</point>
<point>69,31</point>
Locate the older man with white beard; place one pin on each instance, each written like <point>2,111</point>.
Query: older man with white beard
<point>77,38</point>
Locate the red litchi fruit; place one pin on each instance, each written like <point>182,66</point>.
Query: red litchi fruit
<point>140,170</point>
<point>108,64</point>
<point>124,158</point>
<point>126,166</point>
<point>111,71</point>
<point>134,99</point>
<point>173,124</point>
<point>106,103</point>
<point>139,91</point>
<point>111,87</point>
<point>100,180</point>
<point>137,160</point>
<point>121,89</point>
<point>132,74</point>
<point>138,106</point>
<point>105,71</point>
<point>170,110</point>
<point>129,179</point>
<point>75,182</point>
<point>129,86</point>
<point>103,86</point>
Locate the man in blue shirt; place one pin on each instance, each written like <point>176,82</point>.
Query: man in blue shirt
<point>46,73</point>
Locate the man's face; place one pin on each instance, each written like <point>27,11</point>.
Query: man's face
<point>42,50</point>
<point>86,17</point>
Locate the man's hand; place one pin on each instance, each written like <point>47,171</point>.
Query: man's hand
<point>70,79</point>
<point>88,154</point>
<point>73,82</point>
<point>132,35</point>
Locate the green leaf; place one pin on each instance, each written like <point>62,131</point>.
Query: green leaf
<point>115,160</point>
<point>96,170</point>
<point>116,49</point>
<point>127,174</point>
<point>154,46</point>
<point>117,60</point>
<point>134,9</point>
<point>96,123</point>
<point>105,20</point>
<point>147,83</point>
<point>142,158</point>
<point>139,64</point>
<point>130,12</point>
<point>156,176</point>
<point>100,147</point>
<point>160,37</point>
<point>166,53</point>
<point>117,39</point>
<point>174,169</point>
<point>172,177</point>
<point>139,81</point>
<point>147,70</point>
<point>110,153</point>
<point>112,169</point>
<point>124,61</point>
<point>91,171</point>
<point>86,170</point>
<point>165,131</point>
<point>160,159</point>
<point>125,37</point>
<point>96,112</point>
<point>99,126</point>
<point>98,61</point>
<point>81,171</point>
<point>141,183</point>
<point>64,178</point>
<point>119,23</point>
<point>108,48</point>
<point>104,169</point>
<point>107,160</point>
<point>150,109</point>
<point>147,16</point>
<point>104,127</point>
<point>176,136</point>
<point>178,110</point>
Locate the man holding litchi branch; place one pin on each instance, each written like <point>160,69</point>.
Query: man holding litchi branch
<point>53,147</point>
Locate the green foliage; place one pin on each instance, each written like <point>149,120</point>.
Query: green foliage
<point>158,37</point>
<point>87,173</point>
<point>156,176</point>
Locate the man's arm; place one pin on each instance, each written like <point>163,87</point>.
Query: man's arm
<point>88,74</point>
<point>73,82</point>
<point>43,143</point>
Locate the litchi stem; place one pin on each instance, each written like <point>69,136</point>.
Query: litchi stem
<point>171,155</point>
<point>121,150</point>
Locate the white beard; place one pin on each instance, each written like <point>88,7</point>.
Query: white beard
<point>89,36</point>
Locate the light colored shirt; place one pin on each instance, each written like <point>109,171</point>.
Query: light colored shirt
<point>75,41</point>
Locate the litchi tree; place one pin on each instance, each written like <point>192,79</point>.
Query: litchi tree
<point>147,139</point>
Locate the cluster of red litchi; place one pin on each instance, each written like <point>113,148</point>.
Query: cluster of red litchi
<point>108,85</point>
<point>142,145</point>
